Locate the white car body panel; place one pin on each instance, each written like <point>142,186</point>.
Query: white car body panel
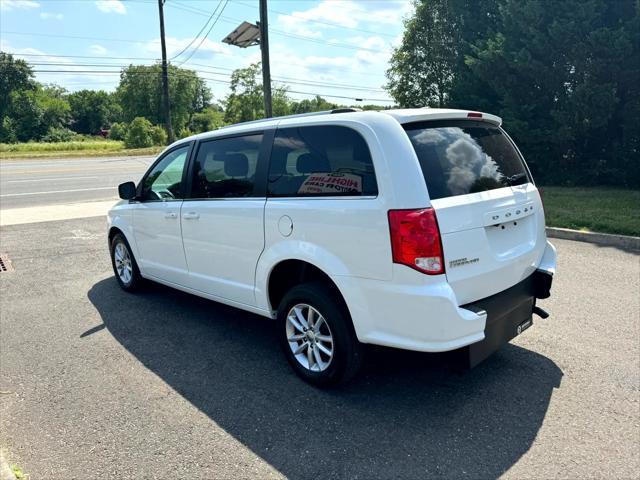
<point>222,246</point>
<point>227,254</point>
<point>157,231</point>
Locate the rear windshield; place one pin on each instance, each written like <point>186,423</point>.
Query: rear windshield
<point>460,157</point>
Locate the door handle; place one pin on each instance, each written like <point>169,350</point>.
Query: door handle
<point>191,216</point>
<point>170,215</point>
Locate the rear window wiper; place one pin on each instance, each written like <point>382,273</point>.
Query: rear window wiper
<point>514,178</point>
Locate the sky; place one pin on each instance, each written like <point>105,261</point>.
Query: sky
<point>338,49</point>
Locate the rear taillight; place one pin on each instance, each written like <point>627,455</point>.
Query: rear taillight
<point>415,240</point>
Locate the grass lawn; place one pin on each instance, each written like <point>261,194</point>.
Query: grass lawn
<point>71,149</point>
<point>605,210</point>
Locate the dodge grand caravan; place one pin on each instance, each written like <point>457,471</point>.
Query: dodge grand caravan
<point>419,229</point>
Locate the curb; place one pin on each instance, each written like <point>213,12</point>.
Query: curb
<point>5,470</point>
<point>607,239</point>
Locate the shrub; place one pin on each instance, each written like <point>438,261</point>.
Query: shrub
<point>207,120</point>
<point>118,131</point>
<point>184,133</point>
<point>61,134</point>
<point>158,135</point>
<point>139,134</point>
<point>8,131</point>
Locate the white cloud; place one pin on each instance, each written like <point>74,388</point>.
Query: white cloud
<point>71,80</point>
<point>111,6</point>
<point>293,24</point>
<point>288,63</point>
<point>18,4</point>
<point>350,13</point>
<point>97,50</point>
<point>51,16</point>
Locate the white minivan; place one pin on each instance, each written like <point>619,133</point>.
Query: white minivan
<point>419,229</point>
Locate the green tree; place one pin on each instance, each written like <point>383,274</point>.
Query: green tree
<point>92,110</point>
<point>118,131</point>
<point>567,80</point>
<point>246,100</point>
<point>16,78</point>
<point>428,68</point>
<point>209,119</point>
<point>139,134</point>
<point>317,104</point>
<point>564,79</point>
<point>421,69</point>
<point>36,112</point>
<point>140,94</point>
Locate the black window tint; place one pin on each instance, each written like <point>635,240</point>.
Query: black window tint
<point>461,157</point>
<point>226,167</point>
<point>320,161</point>
<point>164,181</point>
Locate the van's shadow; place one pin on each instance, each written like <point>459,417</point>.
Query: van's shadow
<point>406,416</point>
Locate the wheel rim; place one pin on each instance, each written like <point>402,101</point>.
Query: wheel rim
<point>122,259</point>
<point>310,338</point>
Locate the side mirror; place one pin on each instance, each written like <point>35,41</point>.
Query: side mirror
<point>127,190</point>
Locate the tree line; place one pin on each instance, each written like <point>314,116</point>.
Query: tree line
<point>33,111</point>
<point>563,75</point>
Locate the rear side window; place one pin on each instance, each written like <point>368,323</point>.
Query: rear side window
<point>320,161</point>
<point>226,168</point>
<point>461,157</point>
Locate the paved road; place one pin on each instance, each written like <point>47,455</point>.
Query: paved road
<point>27,183</point>
<point>97,383</point>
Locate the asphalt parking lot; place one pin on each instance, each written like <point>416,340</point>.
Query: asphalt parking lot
<point>97,383</point>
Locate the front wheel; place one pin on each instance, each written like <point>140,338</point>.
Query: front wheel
<point>317,335</point>
<point>124,264</point>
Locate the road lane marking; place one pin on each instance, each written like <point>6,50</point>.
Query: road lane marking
<point>57,191</point>
<point>22,215</point>
<point>83,170</point>
<point>9,163</point>
<point>49,179</point>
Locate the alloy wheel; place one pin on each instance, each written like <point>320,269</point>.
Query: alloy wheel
<point>123,263</point>
<point>309,337</point>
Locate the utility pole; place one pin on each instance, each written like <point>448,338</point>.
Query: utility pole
<point>264,47</point>
<point>165,77</point>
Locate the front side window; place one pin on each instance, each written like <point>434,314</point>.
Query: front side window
<point>320,161</point>
<point>458,157</point>
<point>226,168</point>
<point>164,181</point>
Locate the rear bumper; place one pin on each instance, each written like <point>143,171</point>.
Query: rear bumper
<point>509,313</point>
<point>420,312</point>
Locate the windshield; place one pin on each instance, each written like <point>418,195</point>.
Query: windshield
<point>461,157</point>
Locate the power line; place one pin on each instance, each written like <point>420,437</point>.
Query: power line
<point>208,32</point>
<point>321,22</point>
<point>282,33</point>
<point>94,57</point>
<point>224,19</point>
<point>75,72</point>
<point>199,33</point>
<point>210,71</point>
<point>80,56</point>
<point>78,37</point>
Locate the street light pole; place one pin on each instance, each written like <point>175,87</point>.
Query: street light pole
<point>264,47</point>
<point>165,77</point>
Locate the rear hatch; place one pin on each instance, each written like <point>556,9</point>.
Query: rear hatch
<point>488,209</point>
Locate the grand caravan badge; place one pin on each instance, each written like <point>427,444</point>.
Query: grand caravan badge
<point>458,262</point>
<point>338,183</point>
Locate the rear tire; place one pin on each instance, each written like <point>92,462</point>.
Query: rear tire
<point>124,264</point>
<point>317,336</point>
